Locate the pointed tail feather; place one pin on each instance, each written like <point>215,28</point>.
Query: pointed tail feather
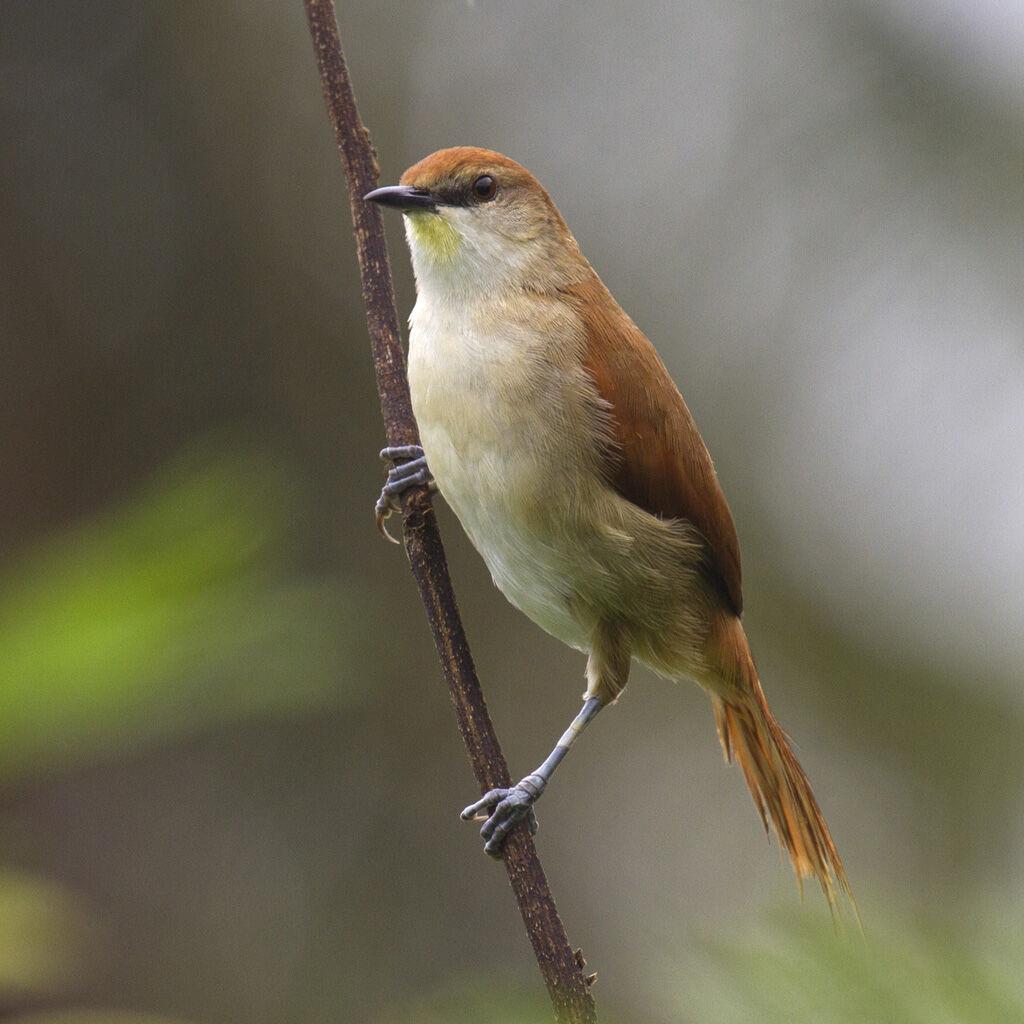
<point>750,735</point>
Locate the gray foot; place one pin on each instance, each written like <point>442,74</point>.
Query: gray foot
<point>411,471</point>
<point>501,809</point>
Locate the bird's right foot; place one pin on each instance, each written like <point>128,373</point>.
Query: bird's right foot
<point>408,469</point>
<point>501,809</point>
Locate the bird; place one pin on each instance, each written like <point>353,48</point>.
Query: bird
<point>551,427</point>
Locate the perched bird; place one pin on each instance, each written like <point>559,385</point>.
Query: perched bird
<point>553,430</point>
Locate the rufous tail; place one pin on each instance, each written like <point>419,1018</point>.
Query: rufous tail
<point>750,735</point>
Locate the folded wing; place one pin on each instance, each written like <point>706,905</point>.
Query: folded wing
<point>658,460</point>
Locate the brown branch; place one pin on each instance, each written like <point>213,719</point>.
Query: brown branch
<point>560,967</point>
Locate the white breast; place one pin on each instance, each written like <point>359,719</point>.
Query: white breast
<point>508,437</point>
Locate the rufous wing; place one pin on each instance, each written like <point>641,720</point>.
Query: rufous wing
<point>658,460</point>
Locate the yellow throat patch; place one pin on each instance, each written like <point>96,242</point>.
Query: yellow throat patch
<point>434,235</point>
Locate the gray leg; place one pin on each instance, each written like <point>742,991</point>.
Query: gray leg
<point>411,471</point>
<point>502,808</point>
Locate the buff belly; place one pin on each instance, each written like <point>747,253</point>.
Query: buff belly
<point>560,543</point>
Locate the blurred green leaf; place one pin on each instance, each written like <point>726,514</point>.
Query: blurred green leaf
<point>795,970</point>
<point>473,1002</point>
<point>95,1017</point>
<point>47,938</point>
<point>174,610</point>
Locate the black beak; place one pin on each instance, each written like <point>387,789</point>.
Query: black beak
<point>402,197</point>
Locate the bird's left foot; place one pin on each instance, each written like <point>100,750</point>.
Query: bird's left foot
<point>408,469</point>
<point>501,809</point>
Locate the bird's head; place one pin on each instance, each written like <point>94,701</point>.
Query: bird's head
<point>479,223</point>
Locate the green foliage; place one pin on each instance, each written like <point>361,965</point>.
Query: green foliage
<point>95,1017</point>
<point>471,1002</point>
<point>796,970</point>
<point>44,935</point>
<point>174,611</point>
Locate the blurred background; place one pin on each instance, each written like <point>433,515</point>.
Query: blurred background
<point>229,771</point>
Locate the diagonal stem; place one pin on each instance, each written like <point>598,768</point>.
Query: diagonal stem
<point>562,970</point>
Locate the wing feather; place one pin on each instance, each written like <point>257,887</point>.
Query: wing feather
<point>659,460</point>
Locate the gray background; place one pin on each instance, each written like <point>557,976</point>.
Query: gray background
<point>230,772</point>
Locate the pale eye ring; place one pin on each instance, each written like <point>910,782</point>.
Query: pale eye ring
<point>485,187</point>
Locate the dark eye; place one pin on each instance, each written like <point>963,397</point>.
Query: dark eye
<point>484,187</point>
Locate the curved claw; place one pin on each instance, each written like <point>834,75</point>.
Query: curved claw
<point>500,810</point>
<point>381,512</point>
<point>401,477</point>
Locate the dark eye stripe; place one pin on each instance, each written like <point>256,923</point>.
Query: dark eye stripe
<point>458,193</point>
